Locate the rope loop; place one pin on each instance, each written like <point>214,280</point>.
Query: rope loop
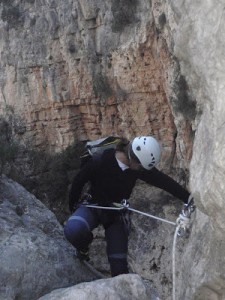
<point>183,223</point>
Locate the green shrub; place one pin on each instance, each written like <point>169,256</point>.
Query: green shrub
<point>49,176</point>
<point>8,151</point>
<point>12,15</point>
<point>8,147</point>
<point>101,86</point>
<point>184,103</point>
<point>124,14</point>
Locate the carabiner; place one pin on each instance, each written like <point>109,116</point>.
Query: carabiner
<point>125,203</point>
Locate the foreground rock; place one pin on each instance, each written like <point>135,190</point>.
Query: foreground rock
<point>35,257</point>
<point>121,287</point>
<point>199,46</point>
<point>202,274</point>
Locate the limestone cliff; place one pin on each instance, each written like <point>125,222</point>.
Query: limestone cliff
<point>73,70</point>
<point>83,69</point>
<point>199,47</point>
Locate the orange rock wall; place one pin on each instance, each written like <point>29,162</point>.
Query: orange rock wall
<point>77,88</point>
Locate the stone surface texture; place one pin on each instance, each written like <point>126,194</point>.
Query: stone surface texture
<point>123,287</point>
<point>35,257</point>
<point>198,44</point>
<point>76,70</point>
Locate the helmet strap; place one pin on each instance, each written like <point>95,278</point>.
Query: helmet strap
<point>131,154</point>
<point>129,148</point>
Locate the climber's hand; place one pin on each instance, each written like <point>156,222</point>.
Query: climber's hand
<point>189,208</point>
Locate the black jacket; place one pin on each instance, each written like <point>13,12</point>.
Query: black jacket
<point>110,184</point>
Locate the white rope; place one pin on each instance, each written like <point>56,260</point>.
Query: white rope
<point>151,216</point>
<point>131,209</point>
<point>174,262</point>
<point>182,223</point>
<point>104,207</point>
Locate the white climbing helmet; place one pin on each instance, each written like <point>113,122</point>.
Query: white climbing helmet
<point>147,150</point>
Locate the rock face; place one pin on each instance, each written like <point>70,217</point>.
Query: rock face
<point>201,269</point>
<point>123,287</point>
<point>77,70</point>
<point>84,69</point>
<point>35,258</point>
<point>199,48</point>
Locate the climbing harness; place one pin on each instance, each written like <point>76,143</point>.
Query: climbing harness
<point>182,228</point>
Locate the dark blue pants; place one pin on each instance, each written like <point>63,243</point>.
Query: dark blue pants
<point>78,231</point>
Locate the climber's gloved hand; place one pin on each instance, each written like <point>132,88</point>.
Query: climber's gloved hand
<point>191,203</point>
<point>85,199</point>
<point>189,207</point>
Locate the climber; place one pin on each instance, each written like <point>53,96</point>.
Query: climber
<point>112,177</point>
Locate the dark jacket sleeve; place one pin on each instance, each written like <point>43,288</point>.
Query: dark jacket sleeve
<point>84,175</point>
<point>165,182</point>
